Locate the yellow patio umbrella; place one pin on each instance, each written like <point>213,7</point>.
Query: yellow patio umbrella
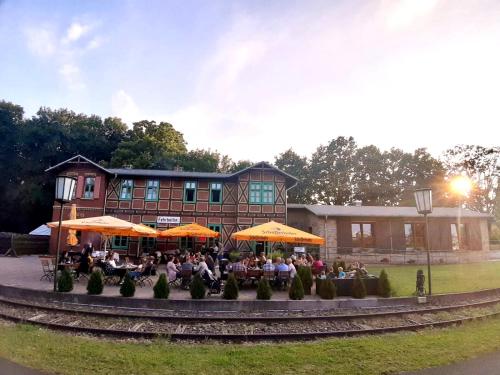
<point>276,232</point>
<point>189,230</point>
<point>107,225</point>
<point>72,240</point>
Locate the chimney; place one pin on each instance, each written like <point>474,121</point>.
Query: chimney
<point>127,166</point>
<point>357,203</point>
<point>178,168</point>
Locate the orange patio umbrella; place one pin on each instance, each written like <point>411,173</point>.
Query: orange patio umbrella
<point>107,225</point>
<point>276,232</point>
<point>189,230</point>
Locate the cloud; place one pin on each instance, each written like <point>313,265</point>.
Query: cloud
<point>72,76</point>
<point>41,41</point>
<point>75,31</point>
<point>64,49</point>
<point>402,13</point>
<point>124,106</point>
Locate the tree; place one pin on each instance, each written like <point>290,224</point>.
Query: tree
<point>264,289</point>
<point>482,166</point>
<point>296,291</point>
<point>297,166</point>
<point>199,161</point>
<point>332,170</point>
<point>150,145</point>
<point>127,289</point>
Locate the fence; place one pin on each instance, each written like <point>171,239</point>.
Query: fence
<point>23,244</point>
<point>381,256</point>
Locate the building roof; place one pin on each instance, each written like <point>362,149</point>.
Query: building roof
<point>383,211</point>
<point>291,180</point>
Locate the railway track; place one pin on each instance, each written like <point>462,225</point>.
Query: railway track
<point>147,324</point>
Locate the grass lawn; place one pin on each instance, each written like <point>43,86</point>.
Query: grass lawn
<point>68,354</point>
<point>446,278</point>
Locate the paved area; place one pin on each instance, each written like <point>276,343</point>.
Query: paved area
<point>10,368</point>
<point>484,365</point>
<point>26,271</point>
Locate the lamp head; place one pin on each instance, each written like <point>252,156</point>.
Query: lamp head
<point>65,188</point>
<point>423,201</point>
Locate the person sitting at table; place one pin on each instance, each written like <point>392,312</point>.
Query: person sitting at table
<point>261,260</point>
<point>239,266</point>
<point>64,257</point>
<point>341,273</point>
<point>172,270</point>
<point>291,268</point>
<point>85,262</point>
<point>331,274</point>
<point>252,262</point>
<point>268,266</point>
<point>317,265</point>
<point>309,260</point>
<point>281,266</point>
<point>202,266</point>
<point>187,265</point>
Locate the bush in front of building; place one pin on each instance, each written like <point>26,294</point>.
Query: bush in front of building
<point>96,283</point>
<point>358,287</point>
<point>306,278</point>
<point>318,285</point>
<point>231,288</point>
<point>296,291</point>
<point>327,290</point>
<point>264,290</point>
<point>197,287</point>
<point>161,289</point>
<point>234,256</point>
<point>65,282</point>
<point>128,287</point>
<point>383,285</point>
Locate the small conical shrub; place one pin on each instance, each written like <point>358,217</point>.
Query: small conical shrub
<point>161,289</point>
<point>264,289</point>
<point>96,283</point>
<point>327,290</point>
<point>231,288</point>
<point>342,264</point>
<point>306,277</point>
<point>65,282</point>
<point>318,285</point>
<point>296,291</point>
<point>358,287</point>
<point>383,285</point>
<point>128,287</point>
<point>197,287</point>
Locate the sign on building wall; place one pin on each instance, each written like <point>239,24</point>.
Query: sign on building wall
<point>168,220</point>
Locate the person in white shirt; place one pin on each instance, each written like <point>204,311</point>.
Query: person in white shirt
<point>291,268</point>
<point>202,266</point>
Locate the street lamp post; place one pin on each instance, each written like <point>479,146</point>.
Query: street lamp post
<point>65,186</point>
<point>423,200</point>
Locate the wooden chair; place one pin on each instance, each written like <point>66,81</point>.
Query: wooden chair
<point>146,276</point>
<point>283,279</point>
<point>254,275</point>
<point>186,276</point>
<point>270,276</point>
<point>240,276</point>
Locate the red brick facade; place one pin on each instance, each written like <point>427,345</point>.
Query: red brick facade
<point>232,214</point>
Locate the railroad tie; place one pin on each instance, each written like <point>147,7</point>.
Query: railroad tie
<point>37,317</point>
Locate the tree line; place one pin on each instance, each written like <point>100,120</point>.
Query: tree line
<point>336,173</point>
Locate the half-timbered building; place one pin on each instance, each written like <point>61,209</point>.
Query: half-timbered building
<point>162,198</point>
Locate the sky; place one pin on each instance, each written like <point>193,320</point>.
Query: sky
<point>252,79</point>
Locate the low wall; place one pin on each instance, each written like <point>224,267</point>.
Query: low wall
<point>220,305</point>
